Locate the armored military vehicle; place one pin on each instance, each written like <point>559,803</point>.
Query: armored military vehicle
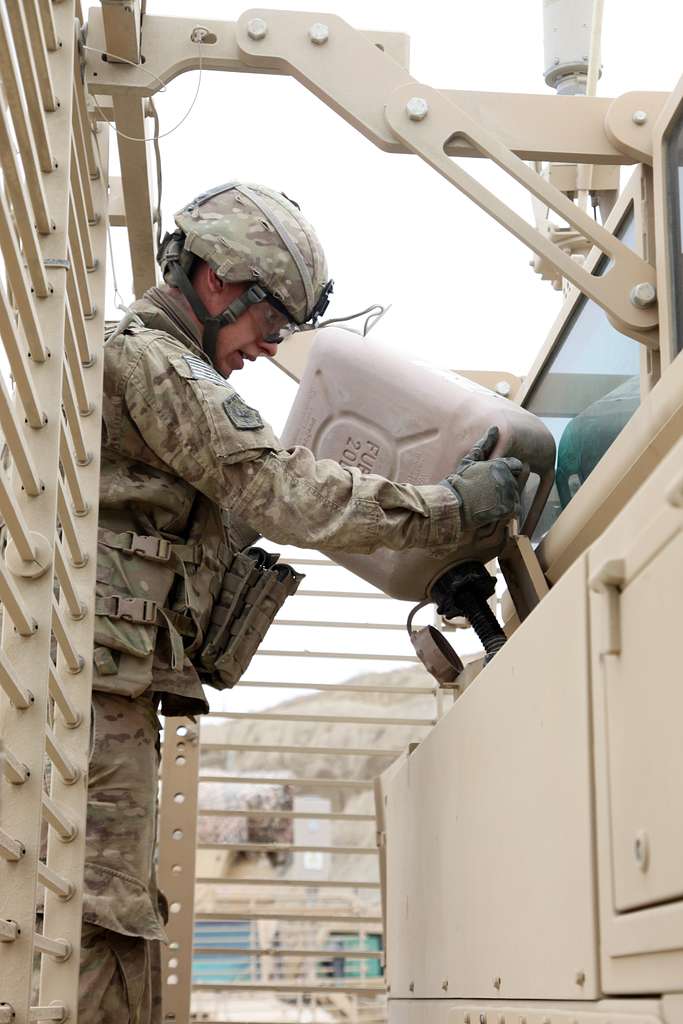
<point>530,845</point>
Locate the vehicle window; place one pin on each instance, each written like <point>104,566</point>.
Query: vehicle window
<point>587,392</point>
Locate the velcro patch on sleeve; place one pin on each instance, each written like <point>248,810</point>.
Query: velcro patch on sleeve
<point>241,415</point>
<point>199,370</point>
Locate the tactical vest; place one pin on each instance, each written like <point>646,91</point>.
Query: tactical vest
<point>174,608</point>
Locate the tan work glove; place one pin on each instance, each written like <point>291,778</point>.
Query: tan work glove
<point>488,491</point>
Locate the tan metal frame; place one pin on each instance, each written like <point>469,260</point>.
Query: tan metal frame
<point>122,29</point>
<point>389,107</point>
<point>177,846</point>
<point>56,275</point>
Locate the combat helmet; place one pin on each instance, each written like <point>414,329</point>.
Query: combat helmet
<point>248,233</point>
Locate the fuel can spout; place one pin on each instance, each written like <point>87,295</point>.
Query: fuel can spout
<point>464,590</point>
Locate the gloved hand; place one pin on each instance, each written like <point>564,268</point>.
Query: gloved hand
<point>488,491</point>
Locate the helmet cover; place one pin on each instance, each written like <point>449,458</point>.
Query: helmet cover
<point>251,233</point>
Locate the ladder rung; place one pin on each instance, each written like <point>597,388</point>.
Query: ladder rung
<point>260,812</point>
<point>265,716</point>
<point>338,687</point>
<point>272,748</point>
<point>54,1012</point>
<point>271,780</point>
<point>74,661</point>
<point>303,652</point>
<point>49,29</point>
<point>331,624</point>
<point>16,442</point>
<point>78,557</point>
<point>15,606</point>
<point>15,771</point>
<point>55,882</point>
<point>60,949</point>
<point>54,816</point>
<point>9,930</point>
<point>10,849</point>
<point>321,954</point>
<point>266,914</point>
<point>23,378</point>
<point>351,851</point>
<point>300,883</point>
<point>75,606</point>
<point>255,986</point>
<point>70,467</point>
<point>16,524</point>
<point>71,717</point>
<point>356,594</point>
<point>68,771</point>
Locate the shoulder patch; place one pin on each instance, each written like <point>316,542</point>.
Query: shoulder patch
<point>241,415</point>
<point>199,370</point>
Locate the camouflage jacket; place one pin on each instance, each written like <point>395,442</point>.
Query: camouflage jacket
<point>180,450</point>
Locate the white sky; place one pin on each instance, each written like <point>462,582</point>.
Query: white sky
<point>395,232</point>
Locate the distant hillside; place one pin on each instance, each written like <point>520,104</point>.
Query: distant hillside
<point>331,734</point>
<point>329,701</point>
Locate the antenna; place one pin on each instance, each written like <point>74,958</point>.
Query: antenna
<point>567,33</point>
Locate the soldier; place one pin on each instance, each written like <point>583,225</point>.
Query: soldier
<point>190,473</point>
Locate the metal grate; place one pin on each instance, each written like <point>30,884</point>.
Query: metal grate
<point>53,215</point>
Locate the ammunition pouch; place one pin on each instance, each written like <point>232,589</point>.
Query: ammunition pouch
<point>214,604</point>
<point>254,588</point>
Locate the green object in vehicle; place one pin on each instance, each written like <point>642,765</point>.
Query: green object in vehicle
<point>586,439</point>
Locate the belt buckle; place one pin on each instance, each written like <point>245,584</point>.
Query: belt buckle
<point>136,609</point>
<point>154,549</point>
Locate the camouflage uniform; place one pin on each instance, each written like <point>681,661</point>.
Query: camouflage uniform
<point>185,464</point>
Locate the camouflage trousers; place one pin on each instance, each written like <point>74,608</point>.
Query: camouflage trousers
<point>120,979</point>
<point>122,922</point>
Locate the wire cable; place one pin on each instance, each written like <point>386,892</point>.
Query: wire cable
<point>376,312</point>
<point>375,318</point>
<point>160,181</point>
<point>118,297</point>
<point>140,67</point>
<point>154,139</point>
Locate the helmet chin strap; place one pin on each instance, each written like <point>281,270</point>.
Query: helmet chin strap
<point>212,324</point>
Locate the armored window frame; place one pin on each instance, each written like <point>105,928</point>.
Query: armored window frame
<point>620,349</point>
<point>561,545</point>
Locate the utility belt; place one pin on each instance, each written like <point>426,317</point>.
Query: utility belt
<point>252,590</point>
